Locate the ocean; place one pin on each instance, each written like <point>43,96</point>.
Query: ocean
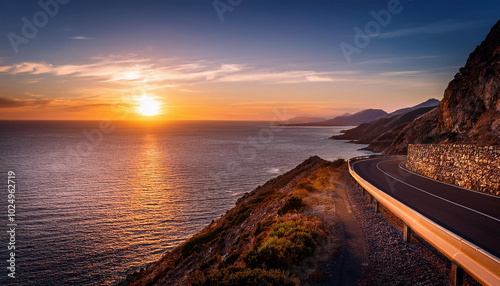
<point>95,201</point>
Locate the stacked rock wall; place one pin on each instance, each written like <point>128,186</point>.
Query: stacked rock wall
<point>468,166</point>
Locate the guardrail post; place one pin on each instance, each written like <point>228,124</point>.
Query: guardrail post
<point>376,206</point>
<point>406,233</point>
<point>456,275</point>
<point>371,199</point>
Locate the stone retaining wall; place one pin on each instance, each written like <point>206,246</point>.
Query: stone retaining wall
<point>469,166</point>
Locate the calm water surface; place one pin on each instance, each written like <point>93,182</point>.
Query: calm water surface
<point>91,209</point>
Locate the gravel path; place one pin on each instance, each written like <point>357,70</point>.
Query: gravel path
<point>391,260</point>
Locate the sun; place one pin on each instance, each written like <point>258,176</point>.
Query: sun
<point>147,106</point>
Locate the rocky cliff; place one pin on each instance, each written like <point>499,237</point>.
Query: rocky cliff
<point>469,111</point>
<point>471,105</point>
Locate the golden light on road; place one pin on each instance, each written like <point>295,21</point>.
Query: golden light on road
<point>147,106</point>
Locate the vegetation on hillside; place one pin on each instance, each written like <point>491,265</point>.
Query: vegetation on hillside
<point>261,241</point>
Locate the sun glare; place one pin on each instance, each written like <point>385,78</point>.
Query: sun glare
<point>147,106</point>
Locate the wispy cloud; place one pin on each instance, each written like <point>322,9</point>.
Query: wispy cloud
<point>129,71</point>
<point>300,76</point>
<point>435,28</point>
<point>390,60</point>
<point>10,102</point>
<point>126,74</point>
<point>80,38</point>
<point>401,73</point>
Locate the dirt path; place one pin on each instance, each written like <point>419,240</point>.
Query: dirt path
<point>352,259</point>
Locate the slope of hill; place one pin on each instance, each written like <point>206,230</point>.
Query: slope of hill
<point>367,132</point>
<point>365,116</point>
<point>469,111</point>
<point>432,102</point>
<point>259,240</point>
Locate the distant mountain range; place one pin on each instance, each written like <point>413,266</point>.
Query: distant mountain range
<point>362,117</point>
<point>469,112</point>
<point>366,133</point>
<point>429,103</point>
<point>305,119</point>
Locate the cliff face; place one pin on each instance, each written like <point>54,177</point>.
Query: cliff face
<point>471,105</point>
<point>469,111</point>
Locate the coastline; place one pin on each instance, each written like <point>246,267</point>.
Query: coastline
<point>288,202</point>
<point>352,245</point>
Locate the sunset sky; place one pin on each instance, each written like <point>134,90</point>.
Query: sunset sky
<point>96,59</point>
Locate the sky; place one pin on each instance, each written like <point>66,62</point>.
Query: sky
<point>230,59</point>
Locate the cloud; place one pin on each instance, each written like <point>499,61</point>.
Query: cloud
<point>391,60</point>
<point>27,67</point>
<point>286,77</point>
<point>84,107</point>
<point>435,28</point>
<point>401,73</point>
<point>80,38</point>
<point>316,78</point>
<point>10,102</point>
<point>132,72</point>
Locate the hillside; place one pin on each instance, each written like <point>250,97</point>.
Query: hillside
<point>257,242</point>
<point>365,116</point>
<point>432,102</point>
<point>469,111</point>
<point>368,132</point>
<point>310,226</point>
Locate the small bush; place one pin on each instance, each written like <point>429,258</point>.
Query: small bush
<point>287,244</point>
<point>239,276</point>
<point>292,204</point>
<point>306,185</point>
<point>200,240</point>
<point>231,258</point>
<point>215,260</point>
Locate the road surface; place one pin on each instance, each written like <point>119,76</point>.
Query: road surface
<point>471,215</point>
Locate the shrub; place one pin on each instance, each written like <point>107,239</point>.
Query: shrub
<point>239,276</point>
<point>199,240</point>
<point>307,185</point>
<point>231,258</point>
<point>215,260</point>
<point>287,244</point>
<point>292,204</point>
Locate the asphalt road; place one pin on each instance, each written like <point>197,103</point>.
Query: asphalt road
<point>472,215</point>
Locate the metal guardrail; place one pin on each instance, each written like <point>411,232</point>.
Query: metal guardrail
<point>478,263</point>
